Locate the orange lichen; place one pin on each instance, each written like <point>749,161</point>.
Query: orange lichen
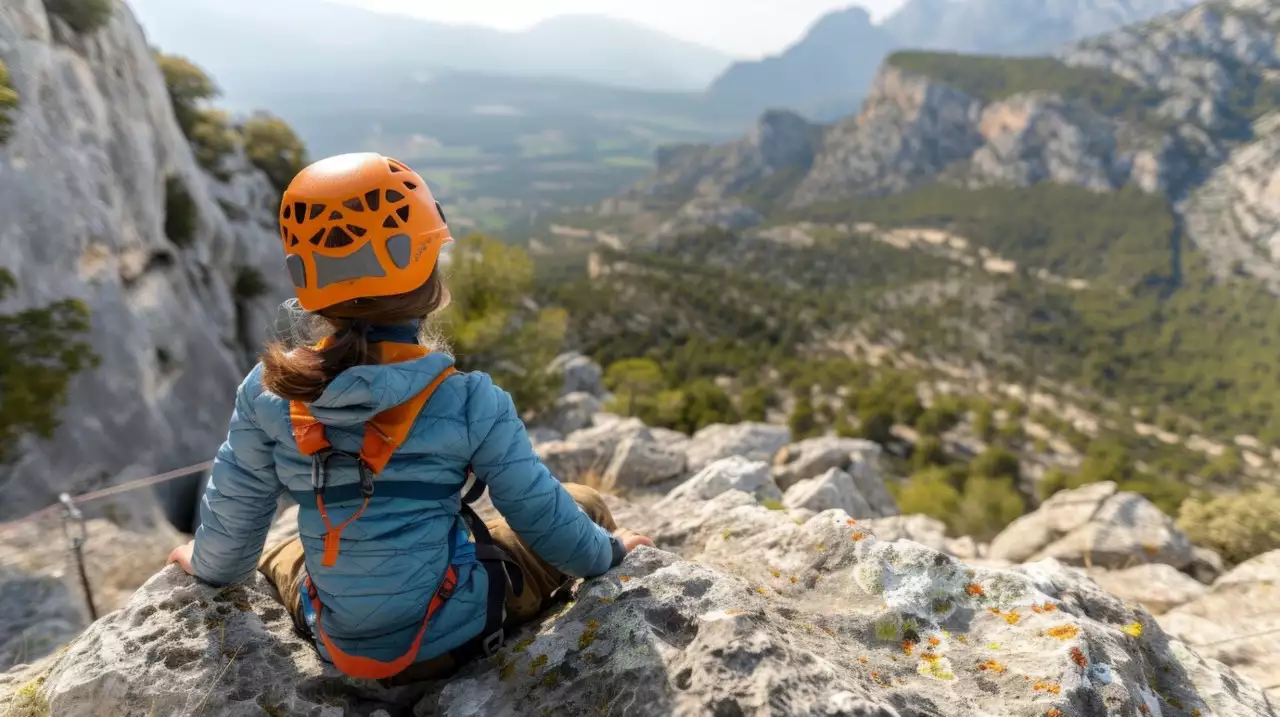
<point>1052,688</point>
<point>1144,709</point>
<point>625,578</point>
<point>775,573</point>
<point>975,590</point>
<point>851,521</point>
<point>1012,617</point>
<point>734,612</point>
<point>933,641</point>
<point>908,646</point>
<point>992,666</point>
<point>794,580</point>
<point>1064,632</point>
<point>859,536</point>
<point>1077,656</point>
<point>1054,712</point>
<point>1046,607</point>
<point>863,660</point>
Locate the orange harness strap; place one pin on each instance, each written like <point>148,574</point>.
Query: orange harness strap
<point>368,668</point>
<point>382,436</point>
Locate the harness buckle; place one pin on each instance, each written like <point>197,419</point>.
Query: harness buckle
<point>493,642</point>
<point>320,470</point>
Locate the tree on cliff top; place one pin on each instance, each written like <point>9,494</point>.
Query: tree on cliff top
<point>40,350</point>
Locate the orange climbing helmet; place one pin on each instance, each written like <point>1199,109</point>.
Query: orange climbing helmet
<point>359,225</point>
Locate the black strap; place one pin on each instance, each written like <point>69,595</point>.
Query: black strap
<point>502,570</point>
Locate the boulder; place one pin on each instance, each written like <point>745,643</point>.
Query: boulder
<point>729,474</point>
<point>812,457</point>
<point>1237,621</point>
<point>605,436</point>
<point>639,462</point>
<point>754,441</point>
<point>1157,587</point>
<point>581,374</point>
<point>827,619</point>
<point>572,462</point>
<point>571,412</point>
<point>1206,565</point>
<point>1097,526</point>
<point>833,490</point>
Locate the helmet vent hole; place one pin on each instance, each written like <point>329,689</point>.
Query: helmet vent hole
<point>288,211</point>
<point>315,239</point>
<point>335,215</point>
<point>395,168</point>
<point>293,240</point>
<point>316,210</point>
<point>440,211</point>
<point>410,186</point>
<point>354,204</point>
<point>371,198</point>
<point>390,223</point>
<point>403,213</point>
<point>393,196</point>
<point>338,238</point>
<point>299,211</point>
<point>358,231</point>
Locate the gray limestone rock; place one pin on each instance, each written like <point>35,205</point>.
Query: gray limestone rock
<point>83,202</point>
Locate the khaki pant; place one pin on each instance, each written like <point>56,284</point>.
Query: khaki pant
<point>285,567</point>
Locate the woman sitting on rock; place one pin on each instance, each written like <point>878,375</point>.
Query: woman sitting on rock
<point>375,436</point>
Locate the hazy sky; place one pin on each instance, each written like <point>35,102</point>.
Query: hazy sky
<point>746,28</point>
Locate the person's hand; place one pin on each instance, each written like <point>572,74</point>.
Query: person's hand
<point>182,556</point>
<point>631,539</point>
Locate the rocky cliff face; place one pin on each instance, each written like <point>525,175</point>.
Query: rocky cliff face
<point>93,169</point>
<point>1218,68</point>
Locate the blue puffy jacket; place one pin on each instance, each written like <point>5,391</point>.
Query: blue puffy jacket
<point>394,556</point>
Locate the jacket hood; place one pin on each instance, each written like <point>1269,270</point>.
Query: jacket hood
<point>360,393</point>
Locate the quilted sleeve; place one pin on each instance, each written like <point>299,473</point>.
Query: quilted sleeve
<point>533,502</point>
<point>240,501</point>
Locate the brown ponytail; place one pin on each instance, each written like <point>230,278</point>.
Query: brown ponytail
<point>303,373</point>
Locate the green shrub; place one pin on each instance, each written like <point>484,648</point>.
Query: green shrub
<point>249,283</point>
<point>212,141</point>
<point>41,349</point>
<point>693,407</point>
<point>987,507</point>
<point>83,16</point>
<point>928,453</point>
<point>181,215</point>
<point>875,424</point>
<point>634,383</point>
<point>1168,495</point>
<point>930,492</point>
<point>8,102</point>
<point>996,462</point>
<point>272,146</point>
<point>754,404</point>
<point>1238,527</point>
<point>803,421</point>
<point>491,329</point>
<point>984,422</point>
<point>188,86</point>
<point>937,420</point>
<point>1226,468</point>
<point>908,409</point>
<point>1055,480</point>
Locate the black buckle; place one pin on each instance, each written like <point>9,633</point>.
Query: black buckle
<point>492,643</point>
